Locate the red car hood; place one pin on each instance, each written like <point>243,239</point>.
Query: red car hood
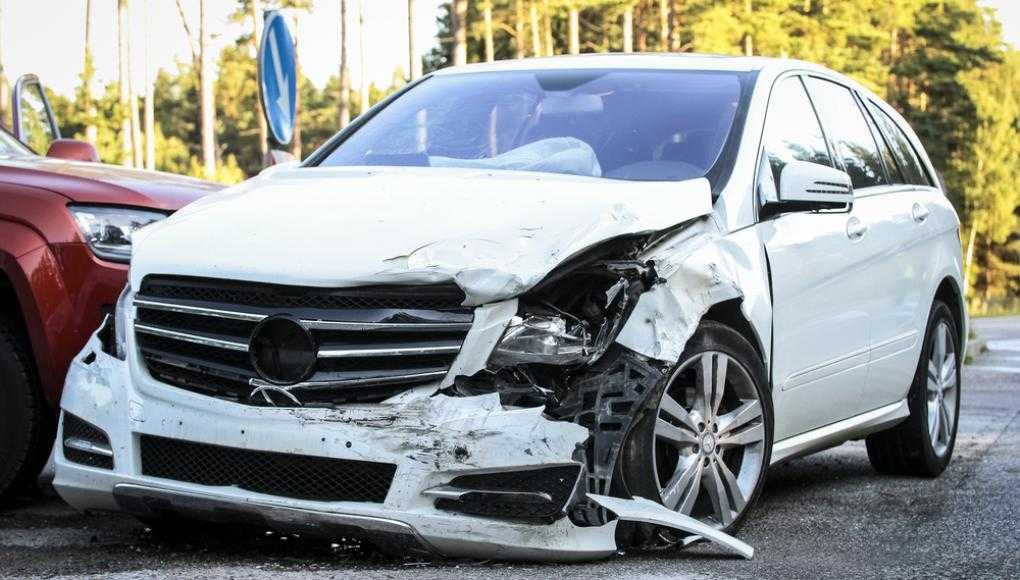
<point>105,184</point>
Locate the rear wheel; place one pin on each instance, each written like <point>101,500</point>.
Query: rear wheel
<point>704,449</point>
<point>923,444</point>
<point>25,422</point>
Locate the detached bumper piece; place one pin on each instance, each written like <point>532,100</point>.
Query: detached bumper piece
<point>533,496</point>
<point>278,474</point>
<point>86,444</point>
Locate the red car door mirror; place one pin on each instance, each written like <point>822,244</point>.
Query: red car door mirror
<point>73,150</point>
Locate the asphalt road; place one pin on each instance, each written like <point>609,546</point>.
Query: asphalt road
<point>829,515</point>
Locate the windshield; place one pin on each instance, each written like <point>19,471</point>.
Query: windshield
<point>9,146</point>
<point>642,125</point>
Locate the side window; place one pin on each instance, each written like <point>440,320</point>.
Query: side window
<point>848,130</point>
<point>906,158</point>
<point>792,130</point>
<point>891,165</point>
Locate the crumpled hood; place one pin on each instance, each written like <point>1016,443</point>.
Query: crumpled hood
<point>494,233</point>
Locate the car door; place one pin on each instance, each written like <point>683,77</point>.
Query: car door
<point>888,246</point>
<point>901,215</point>
<point>820,320</point>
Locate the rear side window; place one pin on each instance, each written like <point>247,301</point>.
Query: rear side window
<point>904,152</point>
<point>849,132</point>
<point>891,166</point>
<point>793,132</point>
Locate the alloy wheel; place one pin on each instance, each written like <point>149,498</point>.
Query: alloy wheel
<point>942,389</point>
<point>709,439</point>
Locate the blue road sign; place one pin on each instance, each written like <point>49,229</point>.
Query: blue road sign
<point>277,72</point>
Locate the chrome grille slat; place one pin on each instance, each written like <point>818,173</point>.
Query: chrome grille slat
<point>360,382</point>
<point>373,342</point>
<point>396,351</point>
<point>186,309</point>
<point>189,337</point>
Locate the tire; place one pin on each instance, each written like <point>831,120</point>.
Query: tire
<point>656,455</point>
<point>913,447</point>
<point>26,425</point>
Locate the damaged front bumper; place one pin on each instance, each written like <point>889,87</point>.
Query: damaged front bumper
<point>431,441</point>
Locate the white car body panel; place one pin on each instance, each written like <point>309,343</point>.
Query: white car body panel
<point>838,322</point>
<point>495,234</point>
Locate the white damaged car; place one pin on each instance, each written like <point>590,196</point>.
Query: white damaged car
<point>540,309</point>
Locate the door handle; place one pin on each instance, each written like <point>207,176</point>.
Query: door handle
<point>919,213</point>
<point>855,229</point>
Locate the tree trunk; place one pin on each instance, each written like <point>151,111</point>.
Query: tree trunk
<point>969,259</point>
<point>547,25</point>
<point>628,28</point>
<point>256,38</point>
<point>91,132</point>
<point>363,92</point>
<point>641,33</point>
<point>536,30</point>
<point>519,29</point>
<point>345,73</point>
<point>573,23</point>
<point>150,112</point>
<point>136,124</point>
<point>663,25</point>
<point>122,84</point>
<point>675,26</point>
<point>208,120</point>
<point>460,10</point>
<point>414,61</point>
<point>490,51</point>
<point>748,40</point>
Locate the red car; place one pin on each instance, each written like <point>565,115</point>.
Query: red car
<point>65,243</point>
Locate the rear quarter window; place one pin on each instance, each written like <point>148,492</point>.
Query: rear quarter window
<point>906,157</point>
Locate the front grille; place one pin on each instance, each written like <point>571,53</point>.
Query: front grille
<point>435,297</point>
<point>271,473</point>
<point>374,341</point>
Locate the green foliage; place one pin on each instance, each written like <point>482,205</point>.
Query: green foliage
<point>942,63</point>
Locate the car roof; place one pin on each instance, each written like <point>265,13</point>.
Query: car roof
<point>644,60</point>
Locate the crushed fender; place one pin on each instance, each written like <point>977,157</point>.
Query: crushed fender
<point>694,275</point>
<point>646,511</point>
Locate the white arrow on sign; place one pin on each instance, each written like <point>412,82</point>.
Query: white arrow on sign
<point>281,79</point>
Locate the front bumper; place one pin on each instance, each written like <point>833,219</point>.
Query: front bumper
<point>430,439</point>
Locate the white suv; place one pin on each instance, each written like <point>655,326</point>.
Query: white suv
<point>514,296</point>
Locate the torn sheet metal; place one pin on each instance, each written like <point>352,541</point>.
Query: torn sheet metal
<point>646,511</point>
<point>494,233</point>
<point>698,268</point>
<point>488,326</point>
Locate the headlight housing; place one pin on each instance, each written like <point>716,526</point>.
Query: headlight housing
<point>108,230</point>
<point>540,339</point>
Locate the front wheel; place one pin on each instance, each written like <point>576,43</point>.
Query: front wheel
<point>704,448</point>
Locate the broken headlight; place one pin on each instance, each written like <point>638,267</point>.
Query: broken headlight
<point>542,339</point>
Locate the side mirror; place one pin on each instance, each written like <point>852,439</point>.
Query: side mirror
<point>33,122</point>
<point>73,150</point>
<point>277,157</point>
<point>809,186</point>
